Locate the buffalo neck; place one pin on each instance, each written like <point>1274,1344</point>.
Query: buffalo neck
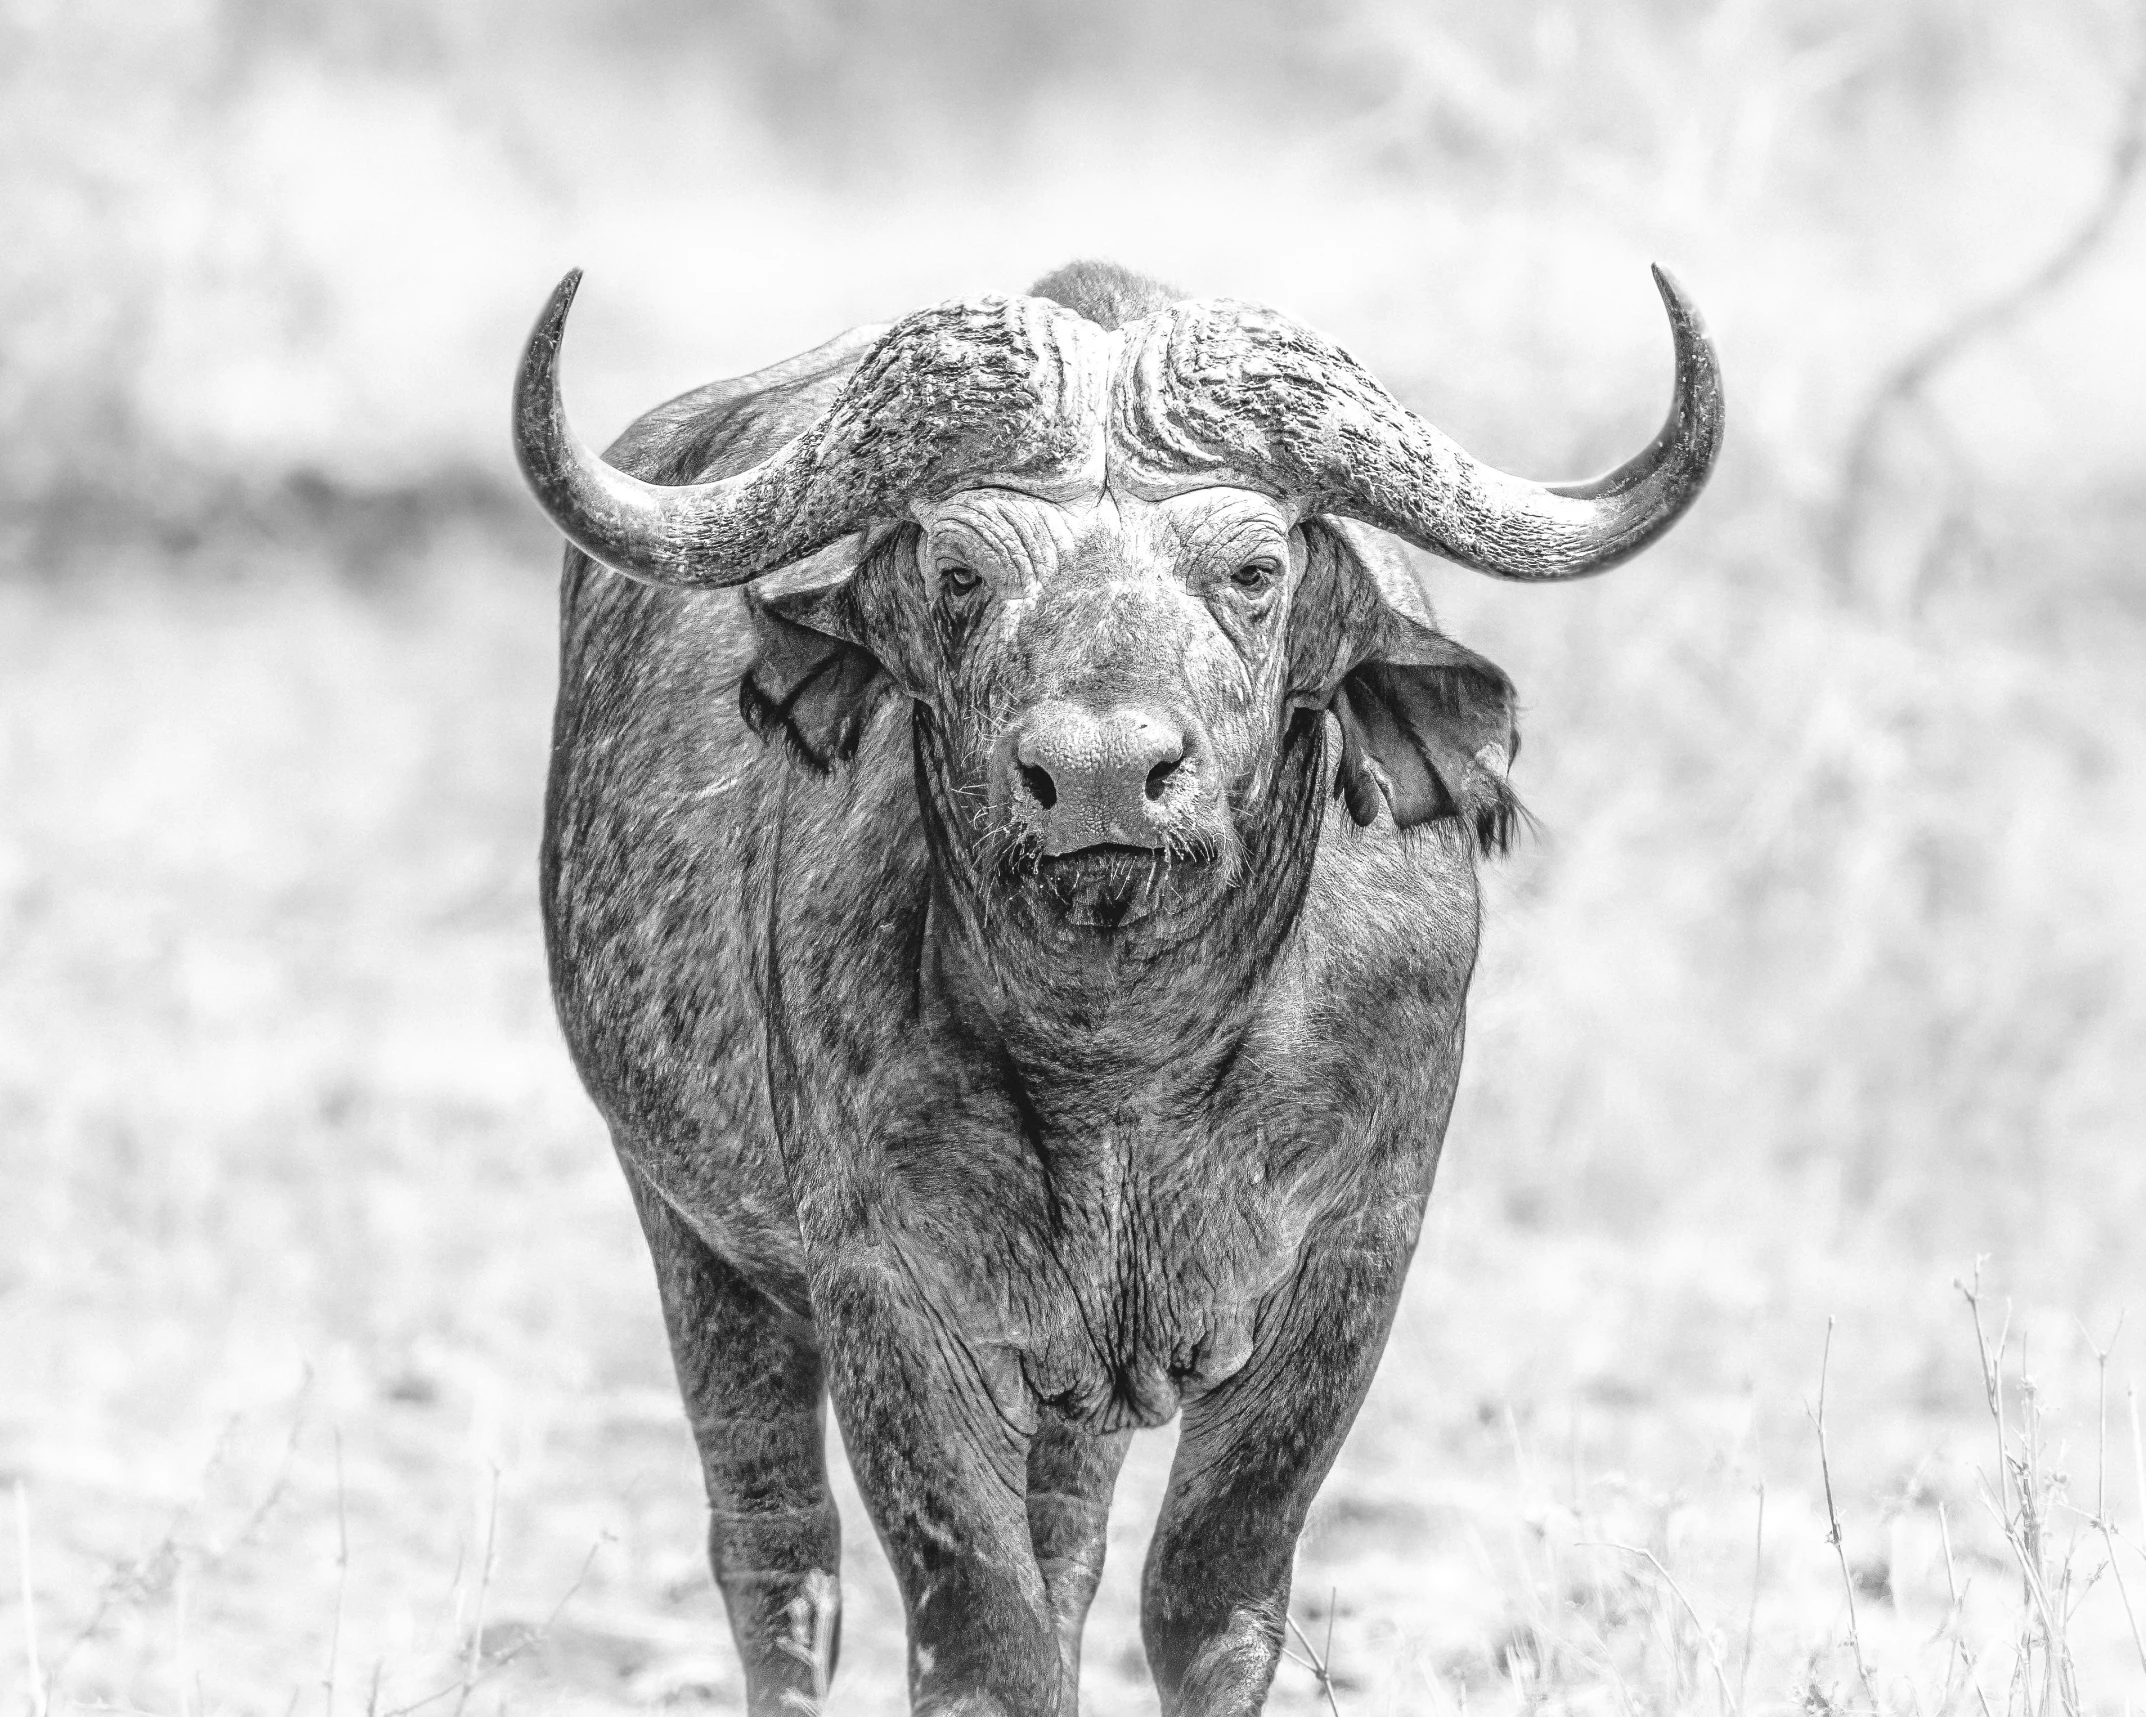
<point>1153,1007</point>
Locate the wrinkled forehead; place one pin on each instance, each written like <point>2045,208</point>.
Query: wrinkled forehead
<point>1012,526</point>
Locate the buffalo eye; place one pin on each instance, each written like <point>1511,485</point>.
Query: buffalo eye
<point>958,580</point>
<point>1255,577</point>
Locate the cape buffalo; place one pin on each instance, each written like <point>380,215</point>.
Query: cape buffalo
<point>1055,1029</point>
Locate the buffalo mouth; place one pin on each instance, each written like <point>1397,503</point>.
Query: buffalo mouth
<point>1110,885</point>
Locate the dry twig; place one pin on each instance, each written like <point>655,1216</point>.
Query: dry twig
<point>342,1576</point>
<point>1833,1532</point>
<point>1906,384</point>
<point>1751,1615</point>
<point>182,1645</point>
<point>2025,1496</point>
<point>2102,1523</point>
<point>38,1695</point>
<point>2138,1452</point>
<point>1961,1657</point>
<point>1320,1666</point>
<point>473,1664</point>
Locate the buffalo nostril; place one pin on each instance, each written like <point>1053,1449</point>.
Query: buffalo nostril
<point>1040,785</point>
<point>1159,776</point>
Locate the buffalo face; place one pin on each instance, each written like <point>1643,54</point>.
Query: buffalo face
<point>1109,685</point>
<point>1108,678</point>
<point>1104,681</point>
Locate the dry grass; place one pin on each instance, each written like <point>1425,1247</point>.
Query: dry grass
<point>331,1379</point>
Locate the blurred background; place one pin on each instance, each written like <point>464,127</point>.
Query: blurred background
<point>331,1372</point>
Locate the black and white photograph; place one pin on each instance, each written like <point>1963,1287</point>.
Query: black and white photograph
<point>763,818</point>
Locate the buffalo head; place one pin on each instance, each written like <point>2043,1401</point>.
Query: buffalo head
<point>1119,571</point>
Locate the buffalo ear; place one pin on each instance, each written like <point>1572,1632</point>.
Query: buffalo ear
<point>1426,725</point>
<point>812,682</point>
<point>1431,740</point>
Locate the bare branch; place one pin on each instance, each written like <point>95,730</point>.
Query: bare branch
<point>1751,1615</point>
<point>342,1577</point>
<point>38,1694</point>
<point>1833,1532</point>
<point>472,1666</point>
<point>2138,1451</point>
<point>2102,1523</point>
<point>1319,1666</point>
<point>1908,381</point>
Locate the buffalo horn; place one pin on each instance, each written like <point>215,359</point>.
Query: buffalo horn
<point>1221,386</point>
<point>947,394</point>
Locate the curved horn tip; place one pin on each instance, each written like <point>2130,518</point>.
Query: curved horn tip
<point>561,300</point>
<point>1698,364</point>
<point>542,440</point>
<point>1683,311</point>
<point>1685,320</point>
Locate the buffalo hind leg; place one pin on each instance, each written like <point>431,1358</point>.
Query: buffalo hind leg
<point>1214,1595</point>
<point>750,1375</point>
<point>1071,1474</point>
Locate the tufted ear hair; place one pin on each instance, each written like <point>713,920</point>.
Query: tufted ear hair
<point>1427,726</point>
<point>813,683</point>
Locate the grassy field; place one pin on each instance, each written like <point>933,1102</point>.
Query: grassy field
<point>331,1374</point>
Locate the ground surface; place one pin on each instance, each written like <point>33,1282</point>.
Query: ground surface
<point>331,1373</point>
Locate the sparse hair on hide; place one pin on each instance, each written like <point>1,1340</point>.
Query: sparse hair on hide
<point>1501,822</point>
<point>1488,810</point>
<point>1106,293</point>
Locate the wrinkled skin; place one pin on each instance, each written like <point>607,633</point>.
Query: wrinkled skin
<point>1006,1139</point>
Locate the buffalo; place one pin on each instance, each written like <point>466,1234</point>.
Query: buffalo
<point>1009,878</point>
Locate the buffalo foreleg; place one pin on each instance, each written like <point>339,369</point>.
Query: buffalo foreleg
<point>938,1431</point>
<point>1252,1453</point>
<point>750,1375</point>
<point>1071,1474</point>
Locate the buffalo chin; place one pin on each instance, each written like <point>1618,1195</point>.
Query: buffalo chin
<point>1108,887</point>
